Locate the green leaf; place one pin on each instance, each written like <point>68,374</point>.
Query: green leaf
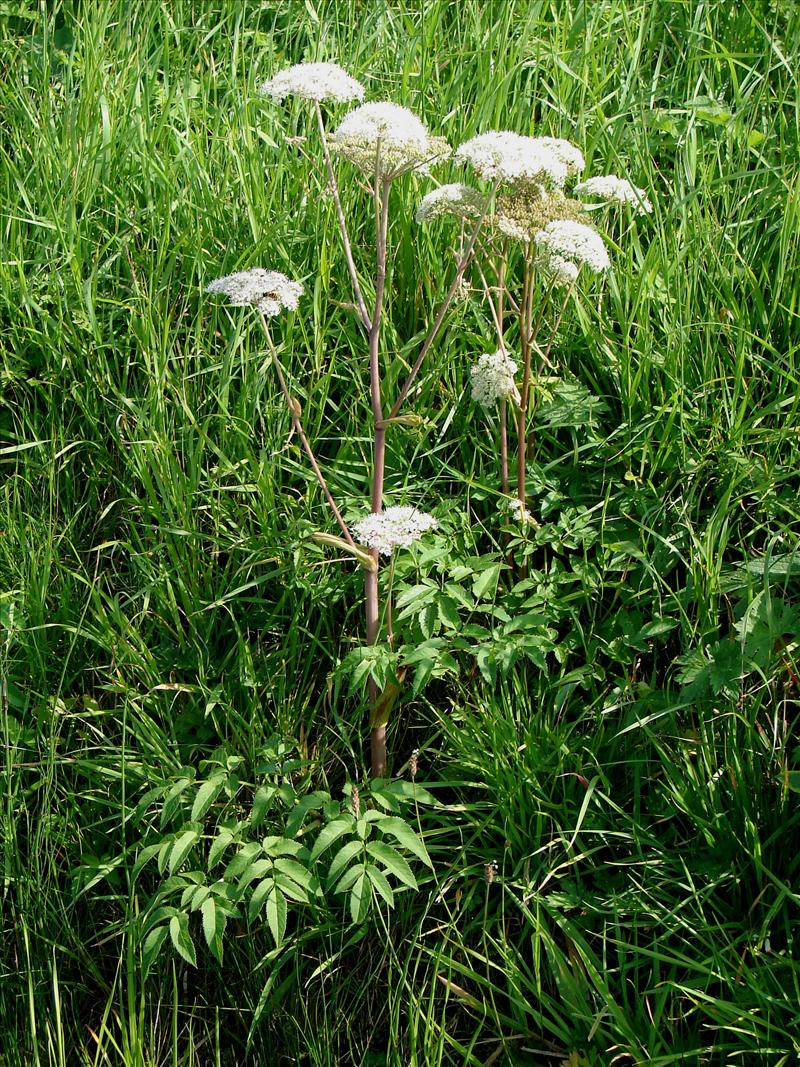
<point>184,843</point>
<point>218,846</point>
<point>448,612</point>
<point>294,870</point>
<point>360,896</point>
<point>403,833</point>
<point>152,944</point>
<point>206,795</point>
<point>258,897</point>
<point>276,914</point>
<point>329,834</point>
<point>793,781</point>
<point>182,942</point>
<point>393,862</point>
<point>348,878</point>
<point>261,803</point>
<point>379,880</point>
<point>485,585</point>
<point>312,802</point>
<point>209,913</point>
<point>343,858</point>
<point>144,855</point>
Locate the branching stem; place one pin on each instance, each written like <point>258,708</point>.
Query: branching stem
<point>294,412</point>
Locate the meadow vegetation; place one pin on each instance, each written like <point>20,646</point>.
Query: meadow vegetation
<point>586,848</point>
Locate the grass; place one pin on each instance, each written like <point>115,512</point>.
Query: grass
<point>158,602</point>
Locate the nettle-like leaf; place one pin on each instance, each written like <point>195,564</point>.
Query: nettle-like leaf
<point>767,627</point>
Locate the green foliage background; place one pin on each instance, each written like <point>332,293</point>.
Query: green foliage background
<point>159,604</point>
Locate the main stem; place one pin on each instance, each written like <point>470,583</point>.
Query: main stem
<point>525,309</point>
<point>501,282</point>
<point>378,709</point>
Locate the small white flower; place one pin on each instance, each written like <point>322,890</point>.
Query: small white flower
<point>268,291</point>
<point>460,200</point>
<point>566,241</point>
<point>388,137</point>
<point>511,158</point>
<point>562,270</point>
<point>396,527</point>
<point>314,81</point>
<point>518,511</point>
<point>493,378</point>
<point>611,188</point>
<point>569,153</point>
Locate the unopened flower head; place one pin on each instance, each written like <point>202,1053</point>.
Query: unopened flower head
<point>523,212</point>
<point>512,158</point>
<point>567,241</point>
<point>314,81</point>
<point>609,187</point>
<point>268,291</point>
<point>493,378</point>
<point>461,201</point>
<point>396,527</point>
<point>388,138</point>
<point>569,153</point>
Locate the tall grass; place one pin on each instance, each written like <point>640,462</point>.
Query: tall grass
<point>159,599</point>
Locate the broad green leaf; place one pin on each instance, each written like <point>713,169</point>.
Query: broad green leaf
<point>329,834</point>
<point>448,612</point>
<point>348,878</point>
<point>485,585</point>
<point>218,846</point>
<point>182,942</point>
<point>379,880</point>
<point>360,896</point>
<point>152,944</point>
<point>206,795</point>
<point>276,914</point>
<point>258,898</point>
<point>261,803</point>
<point>209,913</point>
<point>184,843</point>
<point>393,862</point>
<point>242,860</point>
<point>312,802</point>
<point>145,854</point>
<point>403,833</point>
<point>294,870</point>
<point>344,858</point>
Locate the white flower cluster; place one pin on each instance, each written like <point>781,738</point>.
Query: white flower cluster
<point>569,153</point>
<point>268,291</point>
<point>460,200</point>
<point>493,378</point>
<point>619,190</point>
<point>518,511</point>
<point>396,527</point>
<point>314,81</point>
<point>387,137</point>
<point>510,157</point>
<point>566,246</point>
